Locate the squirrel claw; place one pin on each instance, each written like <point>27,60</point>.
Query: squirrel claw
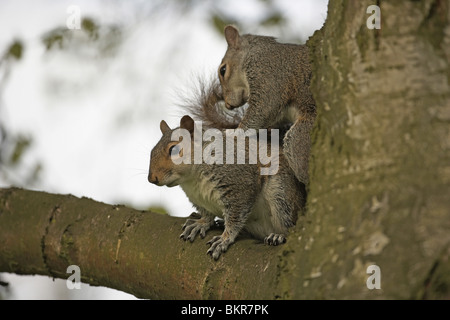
<point>274,239</point>
<point>218,244</point>
<point>192,227</point>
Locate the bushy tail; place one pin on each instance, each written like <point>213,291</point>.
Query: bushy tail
<point>205,103</point>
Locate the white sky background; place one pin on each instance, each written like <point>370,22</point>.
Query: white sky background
<point>93,136</point>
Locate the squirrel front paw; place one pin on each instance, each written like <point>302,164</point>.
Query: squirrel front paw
<point>218,244</point>
<point>274,239</point>
<point>192,227</point>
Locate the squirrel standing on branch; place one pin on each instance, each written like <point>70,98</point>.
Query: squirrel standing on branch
<point>265,206</point>
<point>273,79</point>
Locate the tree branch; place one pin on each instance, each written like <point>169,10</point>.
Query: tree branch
<point>134,251</point>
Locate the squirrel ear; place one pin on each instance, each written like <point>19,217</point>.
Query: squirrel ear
<point>232,36</point>
<point>164,127</point>
<point>187,123</point>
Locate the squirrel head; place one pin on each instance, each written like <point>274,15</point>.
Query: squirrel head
<point>164,169</point>
<point>232,76</point>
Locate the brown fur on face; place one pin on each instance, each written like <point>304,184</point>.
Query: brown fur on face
<point>231,74</point>
<point>163,170</point>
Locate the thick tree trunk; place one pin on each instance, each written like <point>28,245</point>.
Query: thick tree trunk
<point>380,167</point>
<point>379,198</point>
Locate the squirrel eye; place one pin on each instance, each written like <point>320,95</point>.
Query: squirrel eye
<point>222,70</point>
<point>173,151</point>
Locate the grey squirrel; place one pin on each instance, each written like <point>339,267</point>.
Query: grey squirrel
<point>273,79</point>
<point>265,206</point>
<point>205,103</point>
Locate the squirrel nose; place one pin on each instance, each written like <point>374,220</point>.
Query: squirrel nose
<point>152,179</point>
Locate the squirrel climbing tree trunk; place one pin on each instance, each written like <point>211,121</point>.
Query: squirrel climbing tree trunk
<point>378,218</point>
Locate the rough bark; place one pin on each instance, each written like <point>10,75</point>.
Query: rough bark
<point>134,251</point>
<point>379,189</point>
<point>380,174</point>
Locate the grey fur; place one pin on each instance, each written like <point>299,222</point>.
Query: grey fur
<point>277,77</point>
<point>205,103</point>
<point>264,206</point>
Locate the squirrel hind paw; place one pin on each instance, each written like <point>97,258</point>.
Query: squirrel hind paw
<point>274,239</point>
